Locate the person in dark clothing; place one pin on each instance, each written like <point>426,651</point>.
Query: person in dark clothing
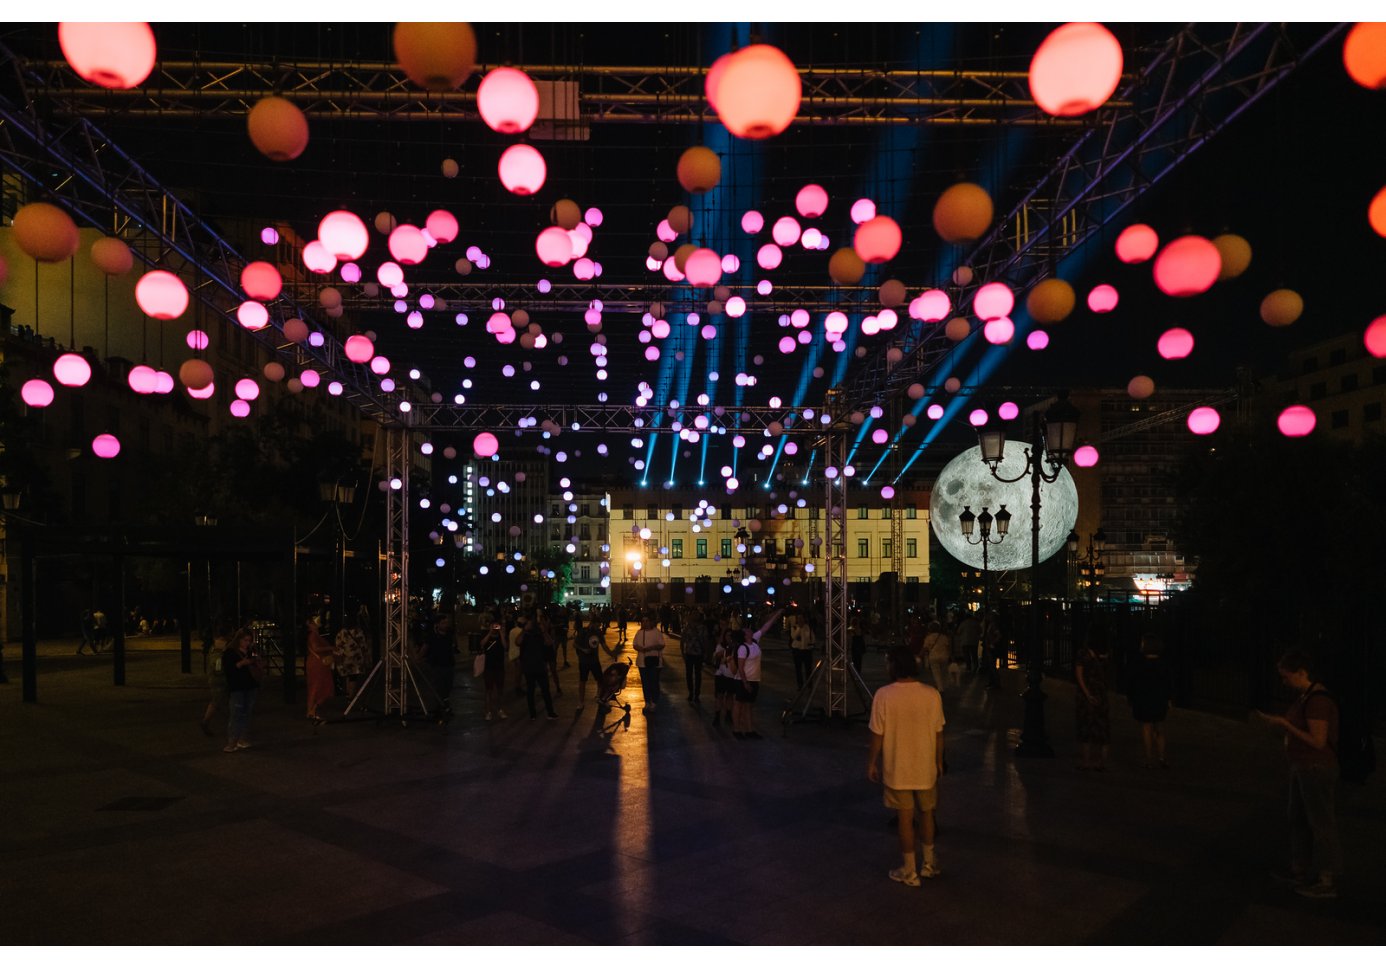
<point>440,653</point>
<point>694,646</point>
<point>241,665</point>
<point>534,663</point>
<point>1148,691</point>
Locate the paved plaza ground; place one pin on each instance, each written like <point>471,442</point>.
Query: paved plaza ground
<point>123,824</point>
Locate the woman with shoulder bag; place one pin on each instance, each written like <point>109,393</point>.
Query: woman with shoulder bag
<point>649,643</point>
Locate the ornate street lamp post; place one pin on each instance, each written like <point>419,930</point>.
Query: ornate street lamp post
<point>1091,566</point>
<point>984,521</point>
<point>1054,435</point>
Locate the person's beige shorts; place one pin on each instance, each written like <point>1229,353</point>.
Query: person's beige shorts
<point>904,799</point>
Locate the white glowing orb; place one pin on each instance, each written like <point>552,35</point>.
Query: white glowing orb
<point>966,481</point>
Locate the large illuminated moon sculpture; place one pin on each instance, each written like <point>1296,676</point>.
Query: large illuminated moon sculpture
<point>966,481</point>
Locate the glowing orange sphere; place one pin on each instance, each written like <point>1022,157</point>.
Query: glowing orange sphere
<point>963,213</point>
<point>846,268</point>
<point>161,295</point>
<point>1187,266</point>
<point>680,219</point>
<point>45,232</point>
<point>877,240</point>
<point>566,214</point>
<point>1235,253</point>
<point>1364,55</point>
<point>277,128</point>
<point>1281,307</point>
<point>508,100</point>
<point>116,55</point>
<point>522,169</point>
<point>699,170</point>
<point>1140,387</point>
<point>958,329</point>
<point>1075,70</point>
<point>195,374</point>
<point>1050,301</point>
<point>1376,213</point>
<point>436,56</point>
<point>1136,243</point>
<point>757,94</point>
<point>112,256</point>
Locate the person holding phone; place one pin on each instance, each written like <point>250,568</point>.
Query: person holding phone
<point>649,643</point>
<point>493,648</point>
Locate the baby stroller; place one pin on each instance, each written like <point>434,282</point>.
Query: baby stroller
<point>609,688</point>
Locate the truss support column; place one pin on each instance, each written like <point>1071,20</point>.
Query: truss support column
<point>395,647</point>
<point>835,656</point>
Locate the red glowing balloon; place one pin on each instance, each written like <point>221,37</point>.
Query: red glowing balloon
<point>1204,420</point>
<point>408,245</point>
<point>260,280</point>
<point>757,93</point>
<point>117,55</point>
<point>344,235</point>
<point>993,301</point>
<point>1296,421</point>
<point>105,446</point>
<point>111,256</point>
<point>1075,70</point>
<point>359,349</point>
<point>72,370</point>
<point>317,259</point>
<point>194,374</point>
<point>485,444</point>
<point>277,128</point>
<point>1187,266</point>
<point>1375,337</point>
<point>812,201</point>
<point>712,82</point>
<point>508,100</point>
<point>45,232</point>
<point>554,247</point>
<point>36,393</point>
<point>703,268</point>
<point>161,295</point>
<point>1175,344</point>
<point>1364,55</point>
<point>1103,298</point>
<point>1086,456</point>
<point>442,225</point>
<point>877,240</point>
<point>522,169</point>
<point>1136,243</point>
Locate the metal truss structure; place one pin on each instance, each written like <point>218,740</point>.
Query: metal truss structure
<point>609,418</point>
<point>1191,88</point>
<point>76,163</point>
<point>578,95</point>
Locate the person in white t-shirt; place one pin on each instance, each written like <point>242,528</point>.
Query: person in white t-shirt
<point>649,643</point>
<point>907,755</point>
<point>747,666</point>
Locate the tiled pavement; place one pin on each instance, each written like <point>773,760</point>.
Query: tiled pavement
<point>673,832</point>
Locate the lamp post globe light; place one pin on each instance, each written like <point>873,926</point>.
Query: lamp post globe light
<point>983,522</point>
<point>1053,438</point>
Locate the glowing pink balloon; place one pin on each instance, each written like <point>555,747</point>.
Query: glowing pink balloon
<point>671,271</point>
<point>877,240</point>
<point>1374,338</point>
<point>389,274</point>
<point>161,295</point>
<point>442,225</point>
<point>1008,411</point>
<point>652,353</point>
<point>787,344</point>
<point>1037,339</point>
<point>240,409</point>
<point>380,365</point>
<point>935,411</point>
<point>993,301</point>
<point>660,329</point>
<point>978,418</point>
<point>196,339</point>
<point>1136,243</point>
<point>485,444</point>
<point>317,259</point>
<point>143,379</point>
<point>998,331</point>
<point>553,247</point>
<point>269,235</point>
<point>36,393</point>
<point>863,210</point>
<point>163,382</point>
<point>1187,266</point>
<point>343,235</point>
<point>703,268</point>
<point>507,100</point>
<point>812,201</point>
<point>665,232</point>
<point>71,370</point>
<point>769,256</point>
<point>931,306</point>
<point>252,315</point>
<point>1075,69</point>
<point>736,307</point>
<point>584,269</point>
<point>262,281</point>
<point>105,446</point>
<point>247,389</point>
<point>204,394</point>
<point>751,222</point>
<point>1204,420</point>
<point>593,217</point>
<point>880,435</point>
<point>785,231</point>
<point>113,55</point>
<point>522,169</point>
<point>1296,421</point>
<point>887,492</point>
<point>1175,344</point>
<point>359,349</point>
<point>1086,456</point>
<point>407,245</point>
<point>757,92</point>
<point>309,378</point>
<point>1103,298</point>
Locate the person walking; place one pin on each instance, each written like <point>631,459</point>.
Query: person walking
<point>801,642</point>
<point>907,757</point>
<point>966,638</point>
<point>1148,691</point>
<point>937,651</point>
<point>724,677</point>
<point>992,649</point>
<point>440,652</point>
<point>493,648</point>
<point>589,644</point>
<point>534,660</point>
<point>1311,741</point>
<point>214,670</point>
<point>693,644</point>
<point>649,643</point>
<point>244,669</point>
<point>351,653</point>
<point>317,670</point>
<point>1094,718</point>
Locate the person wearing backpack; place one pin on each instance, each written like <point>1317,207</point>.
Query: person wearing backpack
<point>1311,740</point>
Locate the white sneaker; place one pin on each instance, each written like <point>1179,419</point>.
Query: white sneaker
<point>905,877</point>
<point>930,870</point>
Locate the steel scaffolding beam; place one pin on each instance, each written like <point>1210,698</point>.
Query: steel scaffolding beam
<point>1205,77</point>
<point>610,418</point>
<point>587,94</point>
